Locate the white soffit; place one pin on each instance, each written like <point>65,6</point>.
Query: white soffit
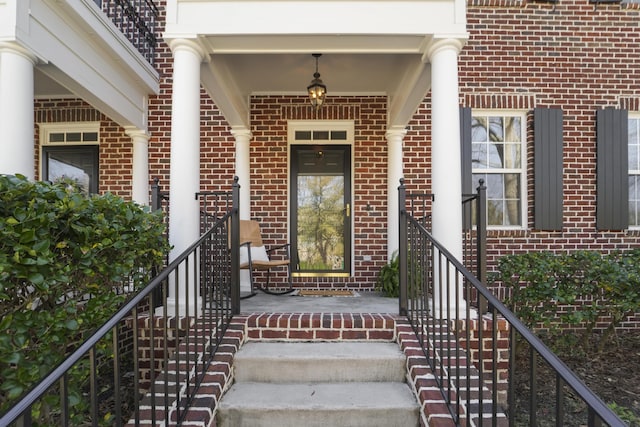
<point>81,50</point>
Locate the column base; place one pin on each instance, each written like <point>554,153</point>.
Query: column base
<point>458,311</point>
<point>174,309</point>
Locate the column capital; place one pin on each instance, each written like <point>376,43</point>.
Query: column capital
<point>438,44</point>
<point>16,49</point>
<point>189,45</point>
<point>395,132</point>
<point>136,134</point>
<point>241,133</point>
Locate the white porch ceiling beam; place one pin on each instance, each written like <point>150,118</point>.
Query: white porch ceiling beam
<point>315,17</point>
<point>410,93</point>
<point>219,83</point>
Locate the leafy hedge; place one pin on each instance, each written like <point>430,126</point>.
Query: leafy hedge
<point>67,261</point>
<point>583,289</point>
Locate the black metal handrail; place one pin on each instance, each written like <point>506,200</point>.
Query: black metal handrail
<point>137,20</point>
<point>172,345</point>
<point>466,348</point>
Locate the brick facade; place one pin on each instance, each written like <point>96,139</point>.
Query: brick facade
<point>520,55</point>
<point>570,55</point>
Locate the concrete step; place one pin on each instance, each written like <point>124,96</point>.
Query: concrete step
<point>280,362</point>
<point>352,404</point>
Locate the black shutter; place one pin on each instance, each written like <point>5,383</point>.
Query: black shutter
<point>465,149</point>
<point>465,158</point>
<point>612,206</point>
<point>548,157</point>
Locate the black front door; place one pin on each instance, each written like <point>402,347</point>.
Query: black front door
<point>321,210</point>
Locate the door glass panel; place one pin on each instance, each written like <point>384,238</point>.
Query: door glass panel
<point>79,164</point>
<point>320,222</point>
<point>321,213</point>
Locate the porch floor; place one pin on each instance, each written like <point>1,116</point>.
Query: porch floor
<point>364,302</point>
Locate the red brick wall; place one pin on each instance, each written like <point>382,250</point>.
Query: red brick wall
<point>571,55</point>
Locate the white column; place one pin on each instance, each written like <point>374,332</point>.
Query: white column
<point>184,212</point>
<point>16,111</point>
<point>243,169</point>
<point>140,172</point>
<point>445,153</point>
<point>394,136</point>
<point>243,172</point>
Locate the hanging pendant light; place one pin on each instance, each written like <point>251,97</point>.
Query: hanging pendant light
<point>317,90</point>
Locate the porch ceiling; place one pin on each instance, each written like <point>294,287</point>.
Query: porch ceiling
<point>264,47</point>
<point>231,78</point>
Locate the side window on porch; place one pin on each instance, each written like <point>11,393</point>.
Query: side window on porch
<point>498,149</point>
<point>70,151</point>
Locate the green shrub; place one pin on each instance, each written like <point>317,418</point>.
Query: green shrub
<point>388,281</point>
<point>67,262</point>
<point>553,291</point>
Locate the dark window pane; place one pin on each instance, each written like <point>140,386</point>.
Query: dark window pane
<point>74,137</point>
<point>303,135</point>
<point>78,163</point>
<point>321,135</point>
<point>90,136</point>
<point>339,135</point>
<point>56,137</point>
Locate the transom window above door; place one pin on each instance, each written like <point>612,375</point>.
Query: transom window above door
<point>321,132</point>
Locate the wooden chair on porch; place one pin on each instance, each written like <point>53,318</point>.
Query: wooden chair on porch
<point>255,256</point>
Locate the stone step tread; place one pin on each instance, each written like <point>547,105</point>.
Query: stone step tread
<point>376,396</point>
<point>318,350</point>
<point>280,362</point>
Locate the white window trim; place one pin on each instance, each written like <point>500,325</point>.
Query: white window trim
<point>47,129</point>
<point>524,208</point>
<point>294,126</point>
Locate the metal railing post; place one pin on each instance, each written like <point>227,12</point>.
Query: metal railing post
<point>235,247</point>
<point>402,249</point>
<point>481,241</point>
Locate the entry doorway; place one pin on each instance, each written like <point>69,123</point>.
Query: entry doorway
<point>321,210</point>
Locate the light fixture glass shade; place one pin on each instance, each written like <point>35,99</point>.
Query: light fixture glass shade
<point>317,90</point>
